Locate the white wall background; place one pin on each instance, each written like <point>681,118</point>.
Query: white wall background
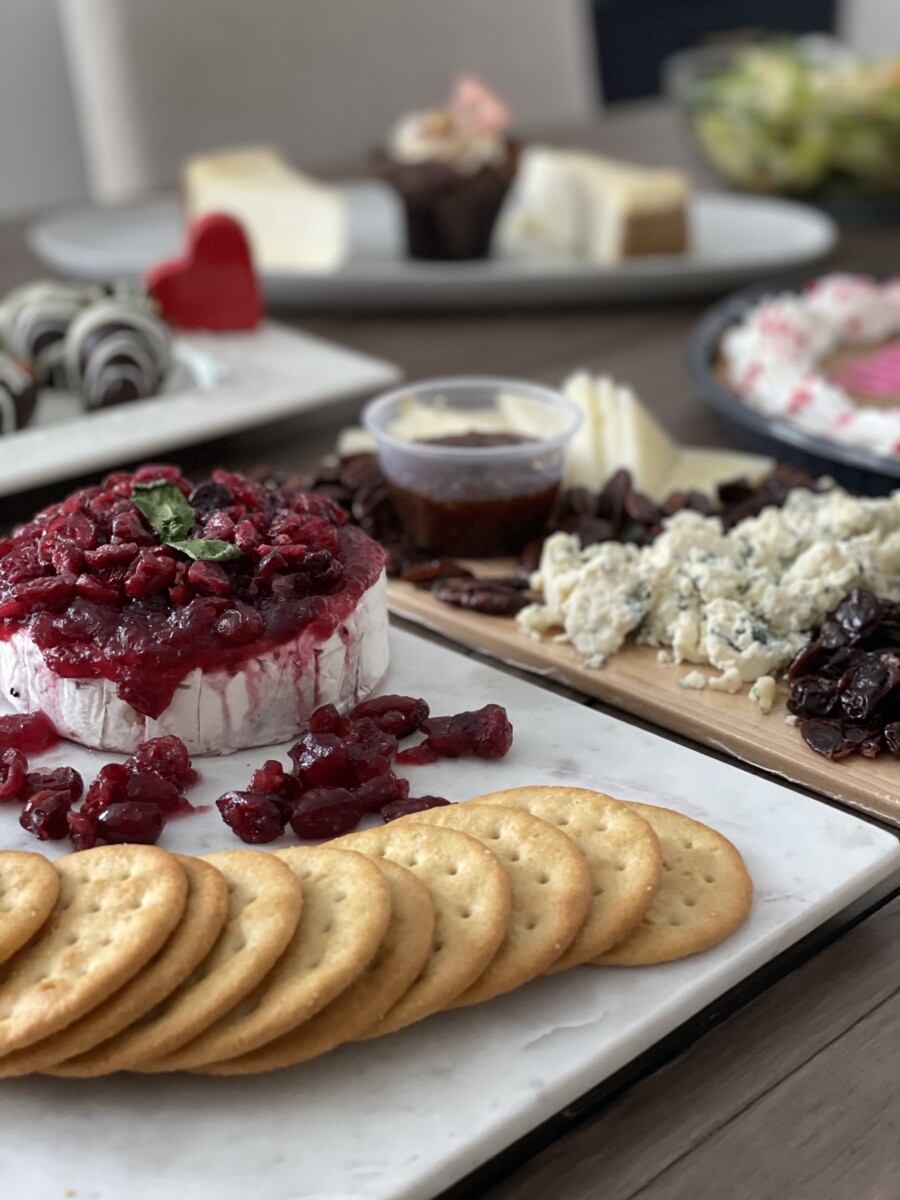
<point>39,147</point>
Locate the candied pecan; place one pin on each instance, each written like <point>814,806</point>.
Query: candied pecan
<point>476,595</point>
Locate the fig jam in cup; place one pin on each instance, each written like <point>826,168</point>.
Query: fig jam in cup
<point>473,464</point>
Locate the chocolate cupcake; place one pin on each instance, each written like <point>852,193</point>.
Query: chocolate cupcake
<point>452,168</point>
<point>18,394</point>
<point>117,350</point>
<point>34,319</point>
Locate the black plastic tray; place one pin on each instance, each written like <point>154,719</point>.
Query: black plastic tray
<point>857,470</point>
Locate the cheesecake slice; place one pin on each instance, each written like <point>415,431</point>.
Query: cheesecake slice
<point>587,207</point>
<point>293,222</point>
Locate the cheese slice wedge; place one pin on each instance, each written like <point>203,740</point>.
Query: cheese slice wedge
<point>619,432</point>
<point>293,222</point>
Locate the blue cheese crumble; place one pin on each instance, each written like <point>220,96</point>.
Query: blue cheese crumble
<point>744,602</point>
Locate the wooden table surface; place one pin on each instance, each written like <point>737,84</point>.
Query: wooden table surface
<point>795,1094</point>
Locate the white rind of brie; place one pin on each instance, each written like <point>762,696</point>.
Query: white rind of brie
<point>259,702</point>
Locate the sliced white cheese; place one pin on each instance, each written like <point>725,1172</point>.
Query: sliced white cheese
<point>293,222</point>
<point>266,700</point>
<point>703,469</point>
<point>619,432</point>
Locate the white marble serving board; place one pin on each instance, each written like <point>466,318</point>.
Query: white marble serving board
<point>221,383</point>
<point>404,1117</point>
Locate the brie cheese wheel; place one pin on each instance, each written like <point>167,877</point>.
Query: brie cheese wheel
<point>259,702</point>
<point>293,222</point>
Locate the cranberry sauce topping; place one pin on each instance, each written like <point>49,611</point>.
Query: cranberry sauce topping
<point>343,768</point>
<point>222,574</point>
<point>845,685</point>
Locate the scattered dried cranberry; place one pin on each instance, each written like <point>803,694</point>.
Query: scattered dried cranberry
<point>255,817</point>
<point>414,804</point>
<point>321,760</point>
<point>397,715</point>
<point>130,821</point>
<point>486,733</point>
<point>370,750</point>
<point>327,719</point>
<point>32,733</point>
<point>281,786</point>
<point>81,831</point>
<point>144,787</point>
<point>13,766</point>
<point>107,787</point>
<point>60,779</point>
<point>373,794</point>
<point>165,756</point>
<point>325,813</point>
<point>418,756</point>
<point>45,815</point>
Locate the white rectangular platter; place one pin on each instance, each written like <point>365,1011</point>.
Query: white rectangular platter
<point>222,383</point>
<point>404,1117</point>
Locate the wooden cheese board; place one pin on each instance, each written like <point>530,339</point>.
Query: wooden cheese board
<point>634,680</point>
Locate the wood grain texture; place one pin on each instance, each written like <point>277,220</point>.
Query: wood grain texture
<point>635,681</point>
<point>793,1098</point>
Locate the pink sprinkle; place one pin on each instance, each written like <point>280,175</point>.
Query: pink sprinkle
<point>801,398</point>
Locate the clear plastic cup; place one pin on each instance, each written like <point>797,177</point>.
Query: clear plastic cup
<point>473,464</point>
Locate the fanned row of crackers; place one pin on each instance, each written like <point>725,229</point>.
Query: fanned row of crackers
<point>130,958</point>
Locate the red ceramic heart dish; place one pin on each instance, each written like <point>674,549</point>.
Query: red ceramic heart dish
<point>214,285</point>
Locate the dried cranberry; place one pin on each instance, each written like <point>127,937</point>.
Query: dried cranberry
<point>418,756</point>
<point>166,756</point>
<point>322,760</point>
<point>397,715</point>
<point>372,794</point>
<point>107,787</point>
<point>272,779</point>
<point>144,787</point>
<point>826,738</point>
<point>327,719</point>
<point>255,817</point>
<point>325,813</point>
<point>371,751</point>
<point>414,804</point>
<point>486,733</point>
<point>32,733</point>
<point>82,832</point>
<point>209,496</point>
<point>13,766</point>
<point>129,821</point>
<point>60,779</point>
<point>150,572</point>
<point>210,577</point>
<point>35,595</point>
<point>45,814</point>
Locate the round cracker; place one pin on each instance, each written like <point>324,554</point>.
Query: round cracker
<point>400,958</point>
<point>29,889</point>
<point>705,894</point>
<point>470,894</point>
<point>117,905</point>
<point>622,853</point>
<point>264,902</point>
<point>204,916</point>
<point>551,890</point>
<point>346,912</point>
